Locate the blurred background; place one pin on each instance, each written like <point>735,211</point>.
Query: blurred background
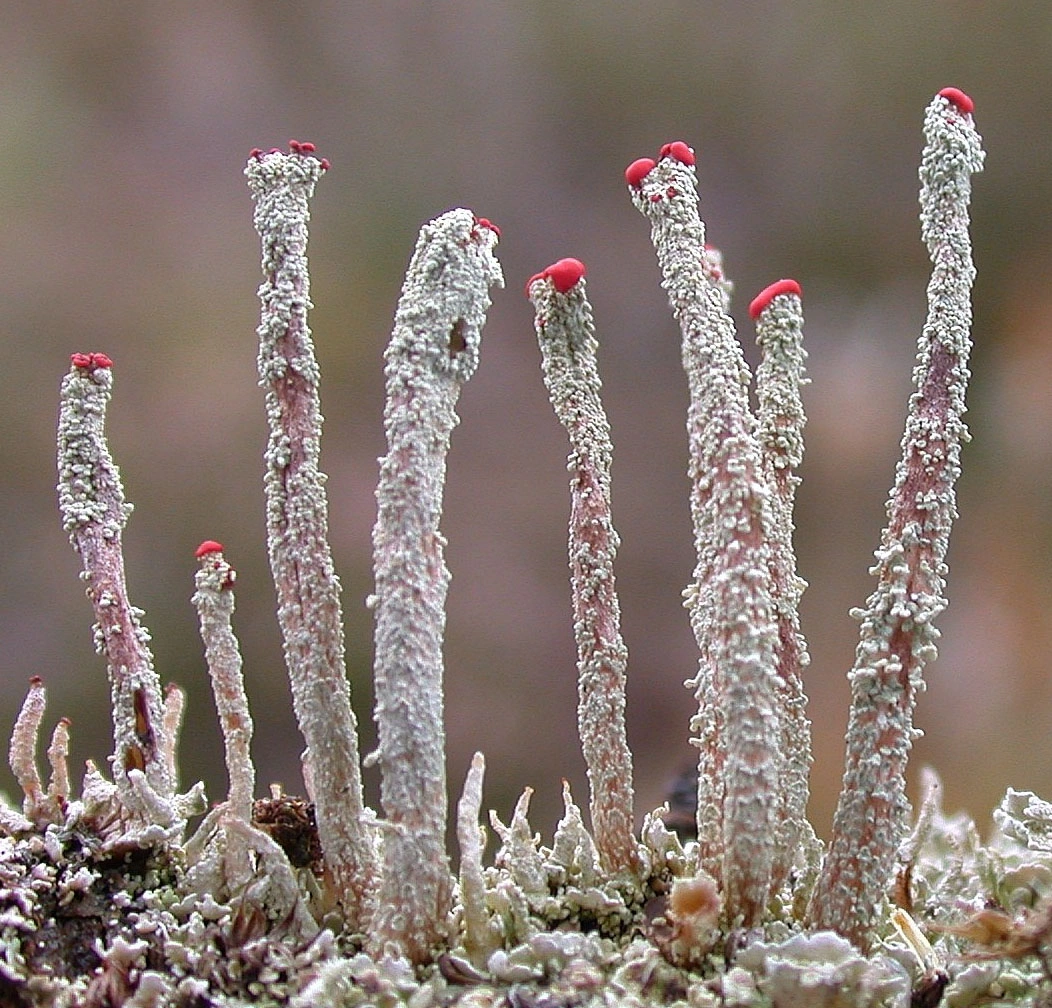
<point>125,227</point>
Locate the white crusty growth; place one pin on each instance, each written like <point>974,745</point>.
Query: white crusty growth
<point>433,350</point>
<point>897,635</point>
<point>308,590</point>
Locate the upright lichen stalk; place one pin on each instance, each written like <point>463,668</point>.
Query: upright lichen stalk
<point>434,349</point>
<point>566,335</point>
<point>778,313</point>
<point>739,723</point>
<point>214,602</point>
<point>94,512</point>
<point>308,590</point>
<point>897,635</point>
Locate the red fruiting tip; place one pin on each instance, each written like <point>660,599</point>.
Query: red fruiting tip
<point>256,153</point>
<point>533,279</point>
<point>294,146</point>
<point>275,150</point>
<point>90,360</point>
<point>307,147</point>
<point>638,170</point>
<point>958,98</point>
<point>769,293</point>
<point>565,273</point>
<point>680,151</point>
<point>208,546</point>
<point>485,222</point>
<point>325,164</point>
<point>36,680</point>
<point>655,198</point>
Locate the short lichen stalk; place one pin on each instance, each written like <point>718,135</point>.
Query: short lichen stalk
<point>308,590</point>
<point>897,636</point>
<point>94,513</point>
<point>739,724</point>
<point>566,335</point>
<point>214,601</point>
<point>40,806</point>
<point>434,349</point>
<point>471,838</point>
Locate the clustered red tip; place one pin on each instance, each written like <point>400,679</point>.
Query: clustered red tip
<point>680,151</point>
<point>958,98</point>
<point>304,147</point>
<point>638,170</point>
<point>208,546</point>
<point>769,293</point>
<point>90,360</point>
<point>563,275</point>
<point>485,222</point>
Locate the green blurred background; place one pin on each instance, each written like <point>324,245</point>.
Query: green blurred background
<point>125,227</point>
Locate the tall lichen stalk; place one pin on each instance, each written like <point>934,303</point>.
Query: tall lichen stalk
<point>434,349</point>
<point>322,902</point>
<point>566,334</point>
<point>743,799</point>
<point>897,636</point>
<point>309,610</point>
<point>778,315</point>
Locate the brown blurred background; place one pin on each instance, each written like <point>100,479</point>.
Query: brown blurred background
<point>125,227</point>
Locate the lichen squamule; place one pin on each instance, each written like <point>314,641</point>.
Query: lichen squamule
<point>122,895</point>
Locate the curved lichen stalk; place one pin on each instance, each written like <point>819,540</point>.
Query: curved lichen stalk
<point>897,636</point>
<point>94,512</point>
<point>434,349</point>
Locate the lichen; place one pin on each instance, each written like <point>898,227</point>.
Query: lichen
<point>109,899</point>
